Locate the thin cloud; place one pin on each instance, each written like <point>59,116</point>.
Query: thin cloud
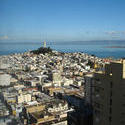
<point>112,32</point>
<point>4,37</point>
<point>115,32</point>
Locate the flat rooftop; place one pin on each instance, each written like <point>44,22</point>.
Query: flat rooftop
<point>41,114</point>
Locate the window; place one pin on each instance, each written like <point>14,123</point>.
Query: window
<point>110,110</point>
<point>100,106</point>
<point>96,89</point>
<point>97,113</point>
<point>122,122</point>
<point>111,84</point>
<point>110,101</point>
<point>110,93</point>
<point>97,79</point>
<point>123,105</point>
<point>110,118</point>
<point>123,113</point>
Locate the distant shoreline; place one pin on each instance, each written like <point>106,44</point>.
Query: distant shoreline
<point>115,47</point>
<point>99,49</point>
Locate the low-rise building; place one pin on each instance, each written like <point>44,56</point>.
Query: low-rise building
<point>4,79</point>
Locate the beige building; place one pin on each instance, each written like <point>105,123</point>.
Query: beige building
<point>4,63</point>
<point>23,98</point>
<point>109,95</point>
<point>4,79</point>
<point>47,113</point>
<point>57,79</point>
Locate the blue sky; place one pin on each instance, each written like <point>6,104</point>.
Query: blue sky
<point>62,20</point>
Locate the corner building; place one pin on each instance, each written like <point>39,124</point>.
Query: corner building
<point>109,95</point>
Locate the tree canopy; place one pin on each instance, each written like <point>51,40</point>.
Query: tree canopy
<point>42,50</point>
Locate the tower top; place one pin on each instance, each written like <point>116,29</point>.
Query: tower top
<point>44,44</point>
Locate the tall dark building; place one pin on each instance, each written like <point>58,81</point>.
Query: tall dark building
<point>109,95</point>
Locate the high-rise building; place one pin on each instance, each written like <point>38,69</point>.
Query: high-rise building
<point>88,88</point>
<point>109,95</point>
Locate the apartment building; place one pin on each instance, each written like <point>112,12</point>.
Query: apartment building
<point>88,88</point>
<point>109,95</point>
